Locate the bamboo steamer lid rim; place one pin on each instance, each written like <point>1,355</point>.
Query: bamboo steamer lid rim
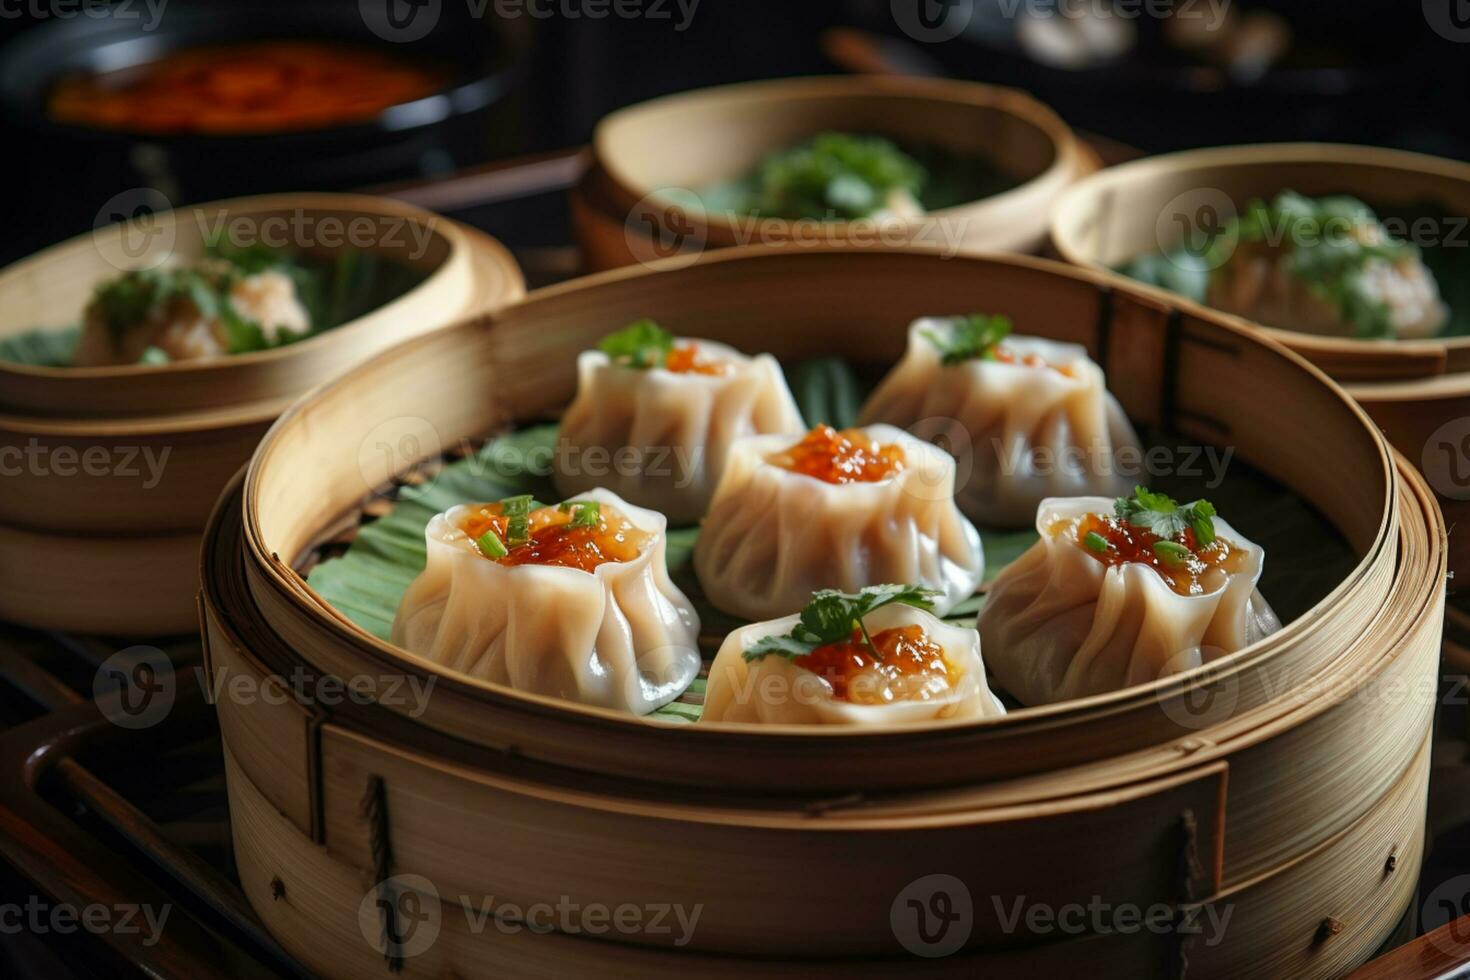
<point>1069,160</point>
<point>1070,206</point>
<point>282,578</point>
<point>454,237</point>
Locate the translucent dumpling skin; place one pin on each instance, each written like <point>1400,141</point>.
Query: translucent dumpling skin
<point>599,623</point>
<point>659,437</point>
<point>786,521</point>
<point>779,690</point>
<point>1064,622</point>
<point>1032,419</point>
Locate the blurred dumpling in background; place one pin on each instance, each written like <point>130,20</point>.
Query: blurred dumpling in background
<point>834,510</point>
<point>186,313</point>
<point>877,657</point>
<point>1027,418</point>
<point>1121,592</point>
<point>655,416</point>
<point>1323,266</point>
<point>572,601</point>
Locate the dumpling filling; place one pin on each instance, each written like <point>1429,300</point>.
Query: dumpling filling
<point>578,534</point>
<point>874,656</point>
<point>900,664</point>
<point>848,456</point>
<point>1324,266</point>
<point>209,309</point>
<point>1183,561</point>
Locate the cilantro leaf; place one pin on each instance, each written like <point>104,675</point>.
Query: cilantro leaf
<point>970,337</point>
<point>1162,515</point>
<point>832,616</point>
<point>641,344</point>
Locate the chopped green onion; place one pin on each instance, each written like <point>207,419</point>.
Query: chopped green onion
<point>518,510</point>
<point>1172,553</point>
<point>491,546</point>
<point>585,513</point>
<point>1095,542</point>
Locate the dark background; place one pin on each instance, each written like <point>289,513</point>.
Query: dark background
<point>1360,71</point>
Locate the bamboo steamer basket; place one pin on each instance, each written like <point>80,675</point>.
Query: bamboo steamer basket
<point>648,160</point>
<point>1285,782</point>
<point>102,520</point>
<point>1411,388</point>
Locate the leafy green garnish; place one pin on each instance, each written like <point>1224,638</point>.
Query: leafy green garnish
<point>585,513</point>
<point>641,344</point>
<point>1162,515</point>
<point>832,616</point>
<point>832,175</point>
<point>491,546</point>
<point>1329,241</point>
<point>973,336</point>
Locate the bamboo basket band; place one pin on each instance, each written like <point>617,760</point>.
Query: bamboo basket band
<point>537,383</point>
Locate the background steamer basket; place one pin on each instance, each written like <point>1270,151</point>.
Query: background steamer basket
<point>115,468</point>
<point>692,140</point>
<point>1271,803</point>
<point>1411,388</point>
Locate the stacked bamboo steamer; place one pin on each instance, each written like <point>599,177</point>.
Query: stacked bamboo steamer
<point>114,469</point>
<point>1418,391</point>
<point>1278,793</point>
<point>638,199</point>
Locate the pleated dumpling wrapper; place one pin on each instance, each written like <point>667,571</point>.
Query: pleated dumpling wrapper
<point>1121,592</point>
<point>655,415</point>
<point>571,601</point>
<point>900,666</point>
<point>1027,418</point>
<point>834,510</point>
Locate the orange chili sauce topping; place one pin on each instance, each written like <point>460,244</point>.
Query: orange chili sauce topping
<point>848,456</point>
<point>554,542</point>
<point>687,359</point>
<point>908,666</point>
<point>1007,356</point>
<point>250,87</point>
<point>1130,543</point>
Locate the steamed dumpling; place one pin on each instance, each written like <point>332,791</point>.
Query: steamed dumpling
<point>1324,266</point>
<point>916,668</point>
<point>1102,603</point>
<point>1028,418</point>
<point>834,510</point>
<point>161,309</point>
<point>573,602</point>
<point>655,416</point>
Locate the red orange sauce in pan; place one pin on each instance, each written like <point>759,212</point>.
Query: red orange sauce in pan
<point>554,542</point>
<point>251,87</point>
